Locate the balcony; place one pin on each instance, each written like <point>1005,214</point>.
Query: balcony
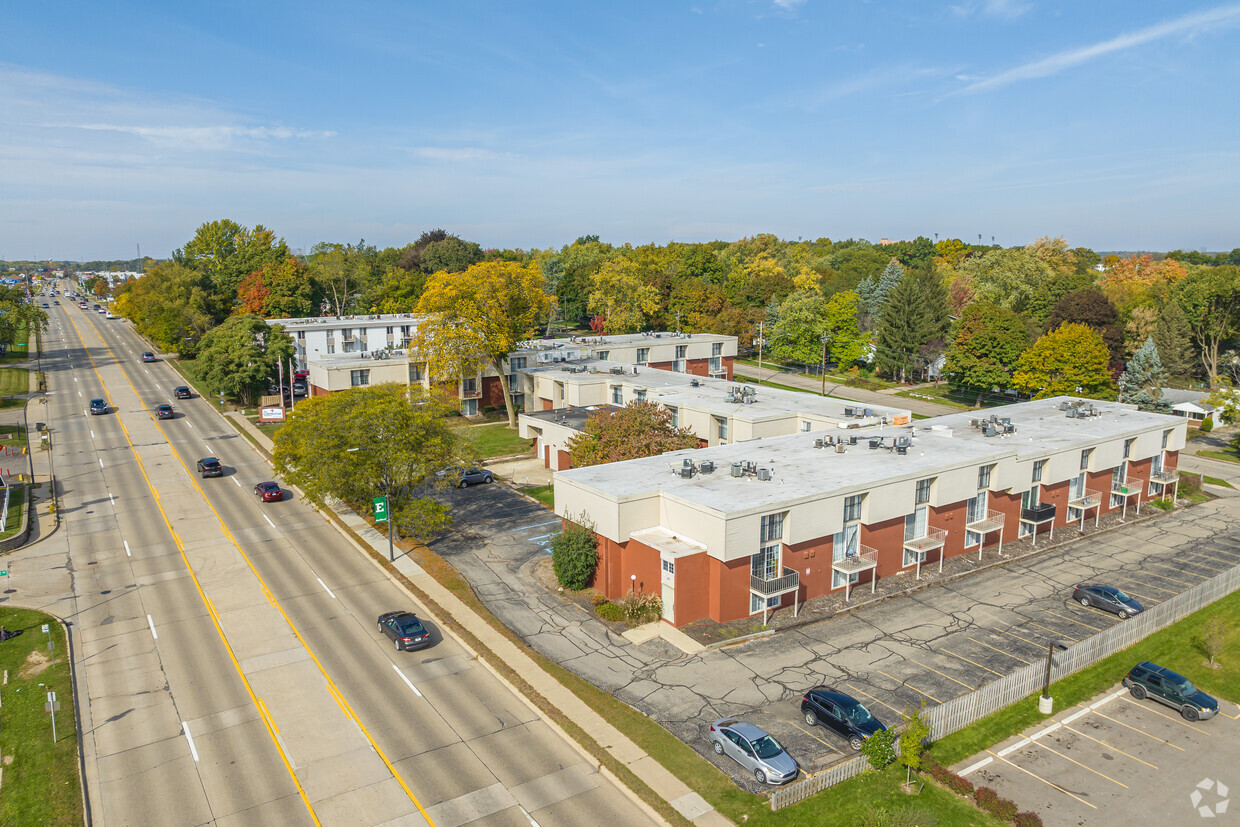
<point>934,538</point>
<point>786,582</point>
<point>1088,499</point>
<point>1038,514</point>
<point>853,564</point>
<point>1127,487</point>
<point>1165,477</point>
<point>470,394</point>
<point>992,521</point>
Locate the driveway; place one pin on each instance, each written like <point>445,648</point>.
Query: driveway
<point>1104,761</point>
<point>928,647</point>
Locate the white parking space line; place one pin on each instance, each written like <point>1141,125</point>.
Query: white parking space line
<point>324,585</point>
<point>406,680</point>
<point>536,525</point>
<point>976,767</point>
<point>189,738</point>
<point>269,522</point>
<point>234,479</point>
<point>126,542</point>
<point>1140,731</point>
<point>1051,783</point>
<point>1110,747</point>
<point>151,623</point>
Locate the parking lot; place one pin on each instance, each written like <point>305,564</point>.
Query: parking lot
<point>929,646</point>
<point>1106,761</point>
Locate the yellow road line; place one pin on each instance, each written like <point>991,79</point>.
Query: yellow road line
<point>1078,763</point>
<point>1145,585</point>
<point>1109,746</point>
<point>1179,719</point>
<point>975,663</point>
<point>267,722</point>
<point>1136,729</point>
<point>1071,620</point>
<point>1165,577</point>
<point>1043,780</point>
<point>1000,651</point>
<point>348,710</point>
<point>1018,637</point>
<point>910,686</point>
<point>1054,632</point>
<point>949,677</point>
<point>816,738</point>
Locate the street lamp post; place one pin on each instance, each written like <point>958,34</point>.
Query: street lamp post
<point>826,337</point>
<point>1046,703</point>
<point>387,506</point>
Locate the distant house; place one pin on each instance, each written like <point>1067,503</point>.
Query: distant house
<point>1190,404</point>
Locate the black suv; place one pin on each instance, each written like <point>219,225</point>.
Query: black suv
<point>842,713</point>
<point>1176,691</point>
<point>210,467</point>
<point>98,406</point>
<point>164,412</point>
<point>181,392</point>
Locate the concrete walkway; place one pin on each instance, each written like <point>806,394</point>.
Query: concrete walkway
<point>686,802</point>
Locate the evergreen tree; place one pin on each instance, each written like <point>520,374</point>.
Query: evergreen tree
<point>912,329</point>
<point>1173,340</point>
<point>873,292</point>
<point>1141,384</point>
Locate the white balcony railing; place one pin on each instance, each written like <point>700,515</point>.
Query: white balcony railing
<point>1126,487</point>
<point>992,521</point>
<point>1088,499</point>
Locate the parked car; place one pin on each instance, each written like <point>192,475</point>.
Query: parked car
<point>1109,598</point>
<point>269,492</point>
<point>472,476</point>
<point>164,411</point>
<point>182,392</point>
<point>842,713</point>
<point>1176,691</point>
<point>299,388</point>
<point>754,750</point>
<point>210,467</point>
<point>98,406</point>
<point>405,630</point>
<point>147,356</point>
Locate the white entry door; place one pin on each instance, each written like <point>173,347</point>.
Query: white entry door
<point>668,581</point>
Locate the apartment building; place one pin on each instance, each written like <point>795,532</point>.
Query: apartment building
<point>731,531</point>
<point>350,336</point>
<point>718,411</point>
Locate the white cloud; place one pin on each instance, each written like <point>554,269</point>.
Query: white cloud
<point>788,5</point>
<point>464,153</point>
<point>1056,63</point>
<point>1000,9</point>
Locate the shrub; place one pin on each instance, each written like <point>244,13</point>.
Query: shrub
<point>611,611</point>
<point>1207,425</point>
<point>985,796</point>
<point>879,748</point>
<point>905,817</point>
<point>1027,819</point>
<point>1162,503</point>
<point>956,783</point>
<point>642,608</point>
<point>574,554</point>
<point>599,599</point>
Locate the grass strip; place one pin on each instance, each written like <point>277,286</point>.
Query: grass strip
<point>17,501</point>
<point>496,440</point>
<point>1179,647</point>
<point>42,784</point>
<point>14,381</point>
<point>1216,481</point>
<point>765,384</point>
<point>1225,456</point>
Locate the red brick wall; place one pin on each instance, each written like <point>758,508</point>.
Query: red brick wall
<point>1100,481</point>
<point>698,367</point>
<point>692,592</point>
<point>619,561</point>
<point>888,538</point>
<point>315,390</point>
<point>1056,494</point>
<point>546,404</point>
<point>814,555</point>
<point>1140,468</point>
<point>951,518</point>
<point>729,592</point>
<point>1008,504</point>
<point>563,463</point>
<point>1171,461</point>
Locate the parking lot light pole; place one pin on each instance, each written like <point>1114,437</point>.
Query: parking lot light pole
<point>1046,703</point>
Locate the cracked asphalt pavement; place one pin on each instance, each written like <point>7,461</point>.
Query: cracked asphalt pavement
<point>929,646</point>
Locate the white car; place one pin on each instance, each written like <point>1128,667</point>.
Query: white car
<point>110,315</point>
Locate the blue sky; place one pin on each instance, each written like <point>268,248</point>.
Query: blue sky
<point>518,124</point>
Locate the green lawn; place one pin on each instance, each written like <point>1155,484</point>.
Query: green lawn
<point>766,384</point>
<point>41,784</point>
<point>496,440</point>
<point>17,500</point>
<point>1225,456</point>
<point>268,429</point>
<point>938,394</point>
<point>545,494</point>
<point>1178,647</point>
<point>14,381</point>
<point>1208,480</point>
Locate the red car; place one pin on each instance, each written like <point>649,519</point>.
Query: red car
<point>269,492</point>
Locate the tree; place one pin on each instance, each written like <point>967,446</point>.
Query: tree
<point>366,442</point>
<point>1006,278</point>
<point>1071,360</point>
<point>343,272</point>
<point>913,740</point>
<point>476,318</point>
<point>913,315</point>
<point>1129,281</point>
<point>1091,308</point>
<point>639,429</point>
<point>228,252</point>
<point>988,342</point>
<point>1174,341</point>
<point>172,304</point>
<point>574,553</point>
<point>873,292</point>
<point>16,314</point>
<point>1213,636</point>
<point>239,357</point>
<point>1142,383</point>
<point>622,297</point>
<point>846,343</point>
<point>451,255</point>
<point>282,289</point>
<point>1210,299</point>
<point>796,331</point>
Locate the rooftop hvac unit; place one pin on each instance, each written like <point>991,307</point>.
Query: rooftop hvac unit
<point>848,411</point>
<point>686,463</point>
<point>686,472</point>
<point>1071,413</point>
<point>903,442</point>
<point>901,449</point>
<point>764,473</point>
<point>839,448</point>
<point>738,469</point>
<point>693,383</point>
<point>818,443</point>
<point>618,371</point>
<point>852,440</point>
<point>706,467</point>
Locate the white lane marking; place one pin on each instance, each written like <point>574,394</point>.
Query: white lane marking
<point>112,499</point>
<point>192,751</point>
<point>154,634</point>
<point>84,412</point>
<point>1003,753</point>
<point>269,522</point>
<point>324,585</point>
<point>977,766</point>
<point>74,378</point>
<point>406,680</point>
<point>1046,731</point>
<point>528,817</point>
<point>101,462</point>
<point>126,542</point>
<point>234,479</point>
<point>208,446</point>
<point>157,385</point>
<point>189,424</point>
<point>92,433</point>
<point>79,392</point>
<point>1074,716</point>
<point>537,525</point>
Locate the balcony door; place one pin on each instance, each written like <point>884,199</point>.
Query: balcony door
<point>765,564</point>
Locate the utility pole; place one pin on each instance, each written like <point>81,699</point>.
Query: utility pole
<point>760,341</point>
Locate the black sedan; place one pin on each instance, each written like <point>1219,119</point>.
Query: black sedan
<point>210,467</point>
<point>98,406</point>
<point>181,392</point>
<point>164,411</point>
<point>269,492</point>
<point>405,630</point>
<point>842,713</point>
<point>1108,598</point>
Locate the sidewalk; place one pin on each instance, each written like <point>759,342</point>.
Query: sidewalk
<point>685,801</point>
<point>840,391</point>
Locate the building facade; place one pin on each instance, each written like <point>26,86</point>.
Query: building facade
<point>732,531</point>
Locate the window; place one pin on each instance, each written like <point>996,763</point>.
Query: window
<point>765,564</point>
<point>669,567</point>
<point>1076,487</point>
<point>852,508</point>
<point>772,527</point>
<point>721,423</point>
<point>681,351</point>
<point>1166,438</point>
<point>1028,500</point>
<point>1037,470</point>
<point>805,426</point>
<point>417,372</point>
<point>404,331</point>
<point>1118,475</point>
<point>916,524</point>
<point>845,544</point>
<point>983,476</point>
<point>680,366</point>
<point>923,491</point>
<point>469,407</point>
<point>756,603</point>
<point>716,364</point>
<point>1128,447</point>
<point>518,401</point>
<point>975,511</point>
<point>331,347</point>
<point>391,330</point>
<point>1086,456</point>
<point>675,412</point>
<point>602,354</point>
<point>358,378</point>
<point>643,355</point>
<point>516,363</point>
<point>350,346</point>
<point>469,385</point>
<point>716,349</point>
<point>301,335</point>
<point>617,395</point>
<point>640,396</point>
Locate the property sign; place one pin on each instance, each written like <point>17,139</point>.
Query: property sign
<point>381,509</point>
<point>271,413</point>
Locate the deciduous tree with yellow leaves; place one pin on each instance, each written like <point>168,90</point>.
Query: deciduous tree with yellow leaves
<point>473,320</point>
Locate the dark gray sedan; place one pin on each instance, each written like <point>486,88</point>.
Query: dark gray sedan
<point>754,750</point>
<point>1109,599</point>
<point>405,630</point>
<point>474,476</point>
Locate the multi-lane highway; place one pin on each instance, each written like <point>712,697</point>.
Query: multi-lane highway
<point>232,669</point>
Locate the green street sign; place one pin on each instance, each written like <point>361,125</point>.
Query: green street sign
<point>381,509</point>
<point>4,572</point>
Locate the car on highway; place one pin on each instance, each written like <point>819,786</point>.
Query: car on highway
<point>269,492</point>
<point>466,477</point>
<point>109,315</point>
<point>56,302</point>
<point>182,392</point>
<point>98,406</point>
<point>405,630</point>
<point>210,467</point>
<point>45,304</point>
<point>147,356</point>
<point>1149,680</point>
<point>1107,598</point>
<point>164,411</point>
<point>753,749</point>
<point>842,713</point>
